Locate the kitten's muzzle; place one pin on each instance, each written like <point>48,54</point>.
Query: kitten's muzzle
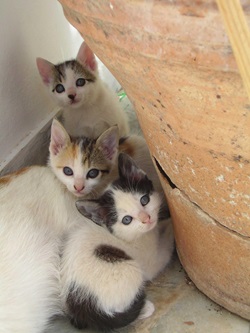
<point>72,96</point>
<point>79,188</point>
<point>144,217</point>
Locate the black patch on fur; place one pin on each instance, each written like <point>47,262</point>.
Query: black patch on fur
<point>85,313</point>
<point>111,254</point>
<point>142,186</point>
<point>109,215</point>
<point>76,67</point>
<point>122,140</point>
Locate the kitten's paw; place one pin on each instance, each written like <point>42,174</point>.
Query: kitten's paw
<point>147,310</point>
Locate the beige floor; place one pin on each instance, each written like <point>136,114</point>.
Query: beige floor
<point>181,308</point>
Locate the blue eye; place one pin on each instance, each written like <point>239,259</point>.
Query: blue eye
<point>67,171</point>
<point>127,219</point>
<point>145,200</point>
<point>93,173</point>
<point>80,82</point>
<point>59,88</point>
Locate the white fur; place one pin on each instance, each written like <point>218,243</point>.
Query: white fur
<point>35,212</point>
<point>150,247</point>
<point>113,284</point>
<point>128,203</point>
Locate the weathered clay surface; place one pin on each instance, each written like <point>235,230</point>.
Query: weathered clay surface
<point>215,258</point>
<point>175,62</point>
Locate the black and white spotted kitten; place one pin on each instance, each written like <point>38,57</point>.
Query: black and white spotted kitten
<point>129,210</point>
<point>104,269</point>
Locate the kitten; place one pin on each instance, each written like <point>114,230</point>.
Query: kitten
<point>95,270</point>
<point>89,106</point>
<point>103,267</point>
<point>86,166</point>
<point>129,210</point>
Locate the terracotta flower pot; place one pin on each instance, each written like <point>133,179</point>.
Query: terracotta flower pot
<point>175,62</point>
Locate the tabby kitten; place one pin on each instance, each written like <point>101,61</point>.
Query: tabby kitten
<point>89,106</point>
<point>129,210</point>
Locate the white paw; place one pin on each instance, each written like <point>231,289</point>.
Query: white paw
<point>147,310</point>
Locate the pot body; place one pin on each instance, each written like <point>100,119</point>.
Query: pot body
<point>176,65</point>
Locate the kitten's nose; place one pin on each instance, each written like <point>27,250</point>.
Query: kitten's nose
<point>79,188</point>
<point>144,217</point>
<point>72,96</point>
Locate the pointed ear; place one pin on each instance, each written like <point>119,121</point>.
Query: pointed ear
<point>45,69</point>
<point>59,137</point>
<point>108,143</point>
<point>86,57</point>
<point>128,168</point>
<point>92,210</point>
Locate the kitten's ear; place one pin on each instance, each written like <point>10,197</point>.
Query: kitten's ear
<point>45,69</point>
<point>59,137</point>
<point>108,143</point>
<point>128,168</point>
<point>86,57</point>
<point>92,210</point>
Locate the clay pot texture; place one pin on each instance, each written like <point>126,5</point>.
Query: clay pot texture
<point>176,64</point>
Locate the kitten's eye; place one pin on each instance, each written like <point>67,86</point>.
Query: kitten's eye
<point>67,171</point>
<point>145,200</point>
<point>127,219</point>
<point>93,173</point>
<point>59,88</point>
<point>80,82</point>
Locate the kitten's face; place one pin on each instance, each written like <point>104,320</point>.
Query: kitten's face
<point>136,213</point>
<point>83,165</point>
<point>73,82</point>
<point>70,84</point>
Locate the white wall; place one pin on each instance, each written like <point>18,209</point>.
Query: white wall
<point>28,29</point>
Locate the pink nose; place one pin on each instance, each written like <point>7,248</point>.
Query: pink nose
<point>79,188</point>
<point>144,217</point>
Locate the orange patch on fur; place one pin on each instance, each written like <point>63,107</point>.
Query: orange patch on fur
<point>69,154</point>
<point>127,148</point>
<point>7,179</point>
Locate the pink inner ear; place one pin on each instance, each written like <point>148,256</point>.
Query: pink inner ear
<point>58,139</point>
<point>109,147</point>
<point>87,57</point>
<point>45,70</point>
<point>136,174</point>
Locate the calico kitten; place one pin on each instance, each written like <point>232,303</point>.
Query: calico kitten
<point>89,106</point>
<point>86,166</point>
<point>129,210</point>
